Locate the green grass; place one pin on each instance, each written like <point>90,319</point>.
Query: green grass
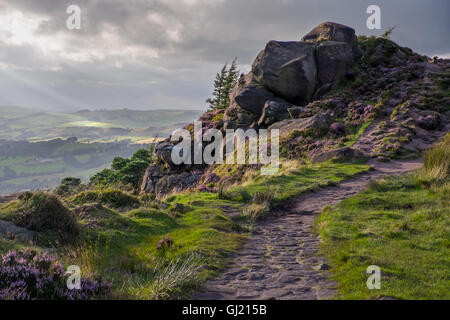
<point>402,225</point>
<point>122,245</point>
<point>352,138</point>
<point>109,197</point>
<point>305,178</point>
<point>203,229</point>
<point>129,258</point>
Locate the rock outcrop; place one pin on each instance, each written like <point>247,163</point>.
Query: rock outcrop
<point>320,92</point>
<point>292,72</point>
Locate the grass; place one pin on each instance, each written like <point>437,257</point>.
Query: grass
<point>305,178</point>
<point>109,197</point>
<point>120,243</point>
<point>126,252</point>
<point>352,138</point>
<point>402,225</point>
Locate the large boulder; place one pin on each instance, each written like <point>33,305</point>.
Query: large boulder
<point>331,31</point>
<point>151,177</point>
<point>250,95</point>
<point>274,111</point>
<point>340,154</point>
<point>236,117</point>
<point>288,69</point>
<point>286,127</point>
<point>175,182</point>
<point>163,151</point>
<point>334,59</point>
<point>292,72</point>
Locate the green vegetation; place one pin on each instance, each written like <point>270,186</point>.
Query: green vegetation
<point>296,180</point>
<point>37,165</point>
<point>160,249</point>
<point>402,225</point>
<point>127,171</point>
<point>356,133</point>
<point>43,213</point>
<point>110,197</point>
<point>225,81</point>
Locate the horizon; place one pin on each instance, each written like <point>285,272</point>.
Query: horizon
<point>167,53</point>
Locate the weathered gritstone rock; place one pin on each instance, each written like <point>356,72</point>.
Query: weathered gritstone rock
<point>288,69</point>
<point>334,60</point>
<point>10,231</point>
<point>281,260</point>
<point>286,127</point>
<point>293,72</point>
<point>275,111</point>
<point>332,31</point>
<point>340,154</point>
<point>402,93</point>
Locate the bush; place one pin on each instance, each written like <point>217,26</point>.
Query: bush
<point>28,275</point>
<point>68,186</point>
<point>109,197</point>
<point>43,212</point>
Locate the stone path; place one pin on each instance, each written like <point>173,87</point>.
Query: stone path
<point>281,259</point>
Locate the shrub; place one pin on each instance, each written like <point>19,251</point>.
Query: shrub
<point>109,197</point>
<point>28,275</point>
<point>43,212</point>
<point>104,177</point>
<point>128,171</point>
<point>68,186</point>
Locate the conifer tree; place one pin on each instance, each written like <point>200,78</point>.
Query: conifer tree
<point>225,81</point>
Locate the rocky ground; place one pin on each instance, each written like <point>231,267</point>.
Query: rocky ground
<point>281,260</point>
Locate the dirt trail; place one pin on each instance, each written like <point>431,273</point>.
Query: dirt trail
<point>280,260</point>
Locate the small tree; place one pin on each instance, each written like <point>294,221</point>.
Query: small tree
<point>387,34</point>
<point>225,81</point>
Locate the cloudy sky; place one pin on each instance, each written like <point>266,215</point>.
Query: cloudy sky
<point>165,53</point>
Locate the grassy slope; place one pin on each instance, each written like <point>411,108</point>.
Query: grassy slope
<point>204,229</point>
<point>121,243</point>
<point>402,225</point>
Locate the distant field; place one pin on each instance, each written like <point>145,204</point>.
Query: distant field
<point>18,123</point>
<point>37,165</point>
<point>36,152</point>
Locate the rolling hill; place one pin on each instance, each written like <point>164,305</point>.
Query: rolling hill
<point>19,123</point>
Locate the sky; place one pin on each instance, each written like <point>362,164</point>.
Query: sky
<point>164,54</point>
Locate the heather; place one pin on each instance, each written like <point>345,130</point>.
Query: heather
<point>30,275</point>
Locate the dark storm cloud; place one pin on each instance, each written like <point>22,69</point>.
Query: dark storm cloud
<point>143,53</point>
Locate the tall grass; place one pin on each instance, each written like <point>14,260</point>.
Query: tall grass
<point>162,279</point>
<point>437,160</point>
<point>175,275</point>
